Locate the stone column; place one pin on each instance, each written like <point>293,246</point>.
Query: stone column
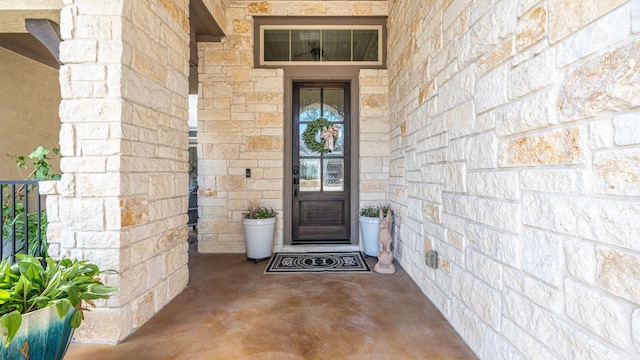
<point>124,141</point>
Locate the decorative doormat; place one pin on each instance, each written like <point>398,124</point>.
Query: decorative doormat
<point>344,262</point>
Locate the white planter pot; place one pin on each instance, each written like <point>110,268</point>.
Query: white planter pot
<point>369,228</point>
<point>258,237</point>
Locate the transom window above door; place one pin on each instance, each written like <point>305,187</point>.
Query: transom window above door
<point>321,45</point>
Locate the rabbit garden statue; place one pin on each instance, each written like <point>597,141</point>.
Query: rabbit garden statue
<point>385,256</point>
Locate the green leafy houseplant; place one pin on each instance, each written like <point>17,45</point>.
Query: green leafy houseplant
<point>15,219</point>
<point>27,286</point>
<point>259,212</point>
<point>374,210</point>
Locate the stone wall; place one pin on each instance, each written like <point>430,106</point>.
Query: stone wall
<point>515,150</point>
<point>374,137</point>
<point>241,122</point>
<point>124,138</point>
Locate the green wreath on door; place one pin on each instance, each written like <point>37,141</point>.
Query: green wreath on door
<point>309,135</point>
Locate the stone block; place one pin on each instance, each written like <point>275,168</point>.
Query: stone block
<point>501,185</point>
<point>525,343</point>
<point>96,240</point>
<point>540,293</point>
<point>484,267</point>
<point>627,129</point>
<point>580,260</point>
<point>553,181</point>
<point>241,26</point>
<point>178,281</point>
<point>603,83</point>
<point>467,323</point>
<point>480,298</point>
<point>454,152</point>
<point>491,90</point>
<point>107,259</point>
<point>603,33</point>
<point>617,171</point>
<point>543,255</point>
<point>265,120</point>
<point>111,52</point>
<point>532,75</point>
<point>635,16</point>
<point>457,90</point>
<point>529,113</point>
<point>453,11</point>
<point>134,211</point>
<point>555,147</point>
<point>495,57</point>
<point>601,314</point>
<point>237,42</point>
<point>561,25</point>
<point>105,324</point>
<point>78,51</point>
<point>87,110</point>
<point>264,143</point>
<point>143,309</point>
<point>607,221</point>
<point>93,131</point>
<point>456,175</point>
<point>268,84</point>
<point>635,329</point>
<point>94,185</point>
<point>455,239</point>
<point>495,346</point>
<point>532,28</point>
<point>541,324</point>
<point>88,72</point>
<point>482,151</point>
<point>575,344</point>
<point>373,101</point>
<point>231,182</point>
<point>503,247</point>
<point>86,214</point>
<point>490,30</point>
<point>172,261</point>
<point>600,134</point>
<point>142,250</point>
<point>618,272</point>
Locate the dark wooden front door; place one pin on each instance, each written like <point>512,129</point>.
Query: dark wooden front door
<point>320,179</point>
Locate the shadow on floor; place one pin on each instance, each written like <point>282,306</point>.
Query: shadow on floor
<point>231,310</point>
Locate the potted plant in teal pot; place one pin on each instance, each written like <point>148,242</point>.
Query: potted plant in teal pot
<point>259,224</point>
<point>41,302</point>
<point>370,227</point>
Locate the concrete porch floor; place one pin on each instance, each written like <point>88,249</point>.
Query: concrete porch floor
<point>231,310</point>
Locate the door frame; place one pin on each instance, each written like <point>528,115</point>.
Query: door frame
<point>329,73</point>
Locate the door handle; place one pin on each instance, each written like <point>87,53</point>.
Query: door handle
<point>296,180</point>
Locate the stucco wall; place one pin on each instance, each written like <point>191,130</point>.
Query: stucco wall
<point>29,100</point>
<point>515,151</point>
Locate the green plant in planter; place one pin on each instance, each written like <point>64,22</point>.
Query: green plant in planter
<point>27,286</point>
<point>259,212</point>
<point>374,210</point>
<point>42,170</point>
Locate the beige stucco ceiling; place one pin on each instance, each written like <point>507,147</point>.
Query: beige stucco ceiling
<point>13,33</point>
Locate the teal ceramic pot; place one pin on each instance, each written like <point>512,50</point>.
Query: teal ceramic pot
<point>43,335</point>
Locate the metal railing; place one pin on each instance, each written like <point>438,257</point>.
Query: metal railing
<point>23,219</point>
